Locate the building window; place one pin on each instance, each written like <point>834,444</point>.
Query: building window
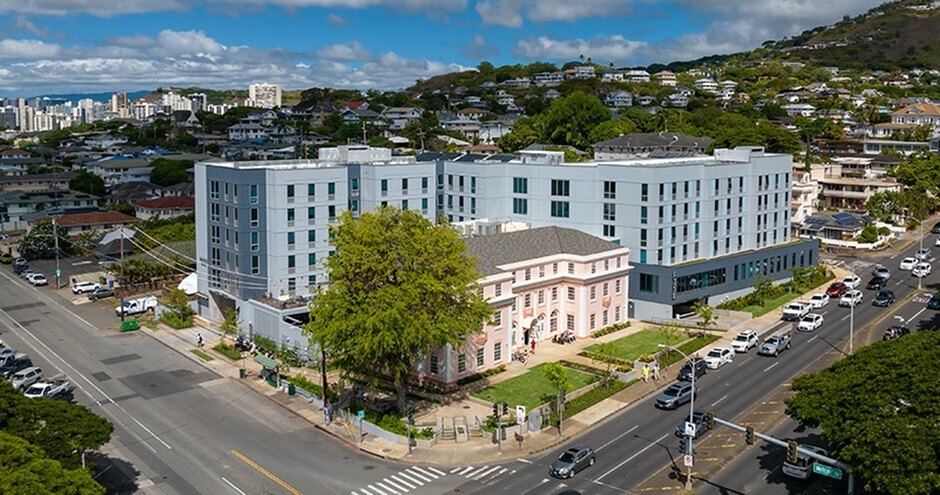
<point>331,212</point>
<point>254,241</point>
<point>571,293</point>
<point>593,292</point>
<point>617,313</point>
<point>498,318</point>
<point>649,283</point>
<point>554,293</point>
<point>569,322</point>
<point>312,188</point>
<point>560,209</point>
<point>527,301</point>
<point>481,356</point>
<point>424,184</point>
<point>254,218</point>
<point>434,368</point>
<point>528,273</point>
<point>644,214</point>
<point>214,189</point>
<point>593,320</point>
<point>291,261</point>
<point>291,284</point>
<point>290,191</point>
<point>497,352</point>
<point>311,236</point>
<point>331,188</point>
<point>610,190</point>
<point>701,280</point>
<point>473,185</point>
<point>610,231</point>
<point>290,239</point>
<point>311,213</point>
<point>404,204</point>
<point>520,185</point>
<point>541,297</point>
<point>461,363</point>
<point>604,318</point>
<point>404,186</point>
<point>606,289</point>
<point>499,289</point>
<point>290,214</point>
<point>571,268</point>
<point>255,265</point>
<point>644,192</point>
<point>520,206</point>
<point>610,212</point>
<point>617,286</point>
<point>253,194</point>
<point>561,187</point>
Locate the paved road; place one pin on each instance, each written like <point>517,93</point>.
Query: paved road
<point>179,429</point>
<point>639,441</point>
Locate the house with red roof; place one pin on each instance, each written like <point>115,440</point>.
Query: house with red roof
<point>76,223</point>
<point>165,207</point>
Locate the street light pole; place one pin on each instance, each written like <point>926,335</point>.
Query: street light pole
<point>851,327</point>
<point>690,449</point>
<point>920,280</point>
<point>55,236</point>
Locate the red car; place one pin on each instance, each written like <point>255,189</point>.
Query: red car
<point>836,289</point>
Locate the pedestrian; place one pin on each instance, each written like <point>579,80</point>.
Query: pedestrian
<point>198,340</point>
<point>656,370</point>
<point>533,347</point>
<point>646,372</point>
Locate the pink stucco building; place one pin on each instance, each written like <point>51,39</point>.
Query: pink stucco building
<point>540,283</point>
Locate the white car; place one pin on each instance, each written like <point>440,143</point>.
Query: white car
<point>921,270</point>
<point>810,323</point>
<point>908,264</point>
<point>744,341</point>
<point>881,272</point>
<point>83,287</point>
<point>851,298</point>
<point>29,278</point>
<point>922,254</point>
<point>38,279</point>
<point>852,281</point>
<point>818,301</point>
<point>937,242</point>
<point>718,357</point>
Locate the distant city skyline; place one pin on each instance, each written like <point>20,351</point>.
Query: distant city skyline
<point>80,46</point>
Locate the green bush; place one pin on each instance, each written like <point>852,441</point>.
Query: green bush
<point>174,320</point>
<point>591,397</point>
<point>390,421</point>
<point>817,276</point>
<point>479,376</point>
<point>228,350</point>
<point>670,356</point>
<point>611,329</point>
<point>301,381</point>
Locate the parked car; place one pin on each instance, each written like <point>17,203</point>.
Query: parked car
<point>571,461</point>
<point>921,270</point>
<point>922,254</point>
<point>744,341</point>
<point>803,468</point>
<point>795,311</point>
<point>49,389</point>
<point>895,331</point>
<point>7,353</point>
<point>19,262</point>
<point>937,242</point>
<point>101,293</point>
<point>39,279</point>
<point>26,273</point>
<point>6,258</point>
<point>877,283</point>
<point>836,290</point>
<point>881,271</point>
<point>935,229</point>
<point>718,357</point>
<point>934,302</point>
<point>907,264</point>
<point>15,364</point>
<point>775,345</point>
<point>851,298</point>
<point>697,365</point>
<point>19,269</point>
<point>83,287</point>
<point>698,419</point>
<point>23,378</point>
<point>852,281</point>
<point>818,301</point>
<point>810,323</point>
<point>675,395</point>
<point>884,298</point>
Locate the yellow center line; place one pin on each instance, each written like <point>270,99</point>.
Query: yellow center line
<point>265,472</point>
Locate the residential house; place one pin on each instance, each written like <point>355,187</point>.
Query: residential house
<point>165,207</point>
<point>805,195</point>
<point>833,226</point>
<point>492,130</point>
<point>401,117</point>
<point>354,116</point>
<point>612,76</point>
<point>76,223</point>
<point>19,165</point>
<point>549,79</point>
<point>919,114</point>
<point>851,193</point>
<point>470,113</point>
<point>636,76</point>
<point>618,99</point>
<point>517,83</point>
<point>181,189</point>
<point>36,182</point>
<point>13,153</point>
<point>584,72</point>
<point>645,100</point>
<point>706,84</point>
<point>551,94</point>
<point>642,144</point>
<point>185,119</point>
<point>540,283</point>
<point>468,127</point>
<point>665,78</point>
<point>677,99</point>
<point>16,206</point>
<point>129,192</point>
<point>799,109</point>
<point>104,141</point>
<point>247,132</point>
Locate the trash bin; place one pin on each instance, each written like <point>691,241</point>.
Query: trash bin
<point>101,280</point>
<point>129,325</point>
<point>291,389</point>
<point>242,373</point>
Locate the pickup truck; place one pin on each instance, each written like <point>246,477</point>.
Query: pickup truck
<point>795,311</point>
<point>136,306</point>
<point>49,389</point>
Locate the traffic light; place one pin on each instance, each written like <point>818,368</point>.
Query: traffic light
<point>496,410</point>
<point>709,420</point>
<point>684,444</point>
<point>793,451</point>
<point>749,434</point>
<point>505,408</point>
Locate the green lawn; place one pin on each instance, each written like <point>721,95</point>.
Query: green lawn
<point>770,305</point>
<point>532,389</point>
<point>633,346</point>
<point>202,355</point>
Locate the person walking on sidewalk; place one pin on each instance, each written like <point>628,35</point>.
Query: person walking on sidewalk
<point>646,372</point>
<point>199,340</point>
<point>533,347</point>
<point>656,370</point>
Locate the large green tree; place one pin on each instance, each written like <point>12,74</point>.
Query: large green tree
<point>168,172</point>
<point>572,118</point>
<point>879,410</point>
<point>89,183</point>
<point>39,242</point>
<point>24,470</point>
<point>400,287</point>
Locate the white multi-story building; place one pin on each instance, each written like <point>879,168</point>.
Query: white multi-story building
<point>264,95</point>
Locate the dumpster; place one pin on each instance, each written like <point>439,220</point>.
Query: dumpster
<point>291,390</point>
<point>242,373</point>
<point>101,280</point>
<point>129,325</point>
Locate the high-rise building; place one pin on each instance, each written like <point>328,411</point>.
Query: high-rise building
<point>198,102</point>
<point>264,95</point>
<point>120,105</point>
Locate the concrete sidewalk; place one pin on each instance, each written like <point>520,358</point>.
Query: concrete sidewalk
<point>477,450</point>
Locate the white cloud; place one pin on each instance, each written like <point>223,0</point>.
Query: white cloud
<point>479,49</point>
<point>176,43</point>
<point>336,21</point>
<point>510,13</point>
<point>602,49</point>
<point>101,8</point>
<point>354,52</point>
<point>27,49</point>
<point>25,25</point>
<point>500,12</point>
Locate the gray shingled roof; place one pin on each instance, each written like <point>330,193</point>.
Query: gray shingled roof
<point>493,250</point>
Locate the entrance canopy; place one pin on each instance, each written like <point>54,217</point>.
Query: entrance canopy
<point>266,362</point>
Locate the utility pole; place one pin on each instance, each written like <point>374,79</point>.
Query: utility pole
<point>122,272</point>
<point>326,403</point>
<point>55,237</point>
<point>852,327</point>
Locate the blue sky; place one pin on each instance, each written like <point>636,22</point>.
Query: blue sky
<point>60,46</point>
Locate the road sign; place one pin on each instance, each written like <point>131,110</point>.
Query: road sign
<point>58,272</point>
<point>520,415</point>
<point>687,460</point>
<point>829,471</point>
<point>361,413</point>
<point>689,429</point>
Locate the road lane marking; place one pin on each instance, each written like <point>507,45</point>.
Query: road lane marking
<point>746,360</point>
<point>476,472</point>
<point>397,487</point>
<point>846,317</point>
<point>265,472</point>
<point>410,477</point>
<point>485,473</point>
<point>379,483</point>
<point>917,314</point>
<point>418,475</point>
<point>467,470</point>
<point>525,461</point>
<point>634,456</point>
<point>544,480</point>
<point>771,367</point>
<point>618,437</point>
<point>812,339</point>
<point>426,473</point>
<point>232,485</point>
<point>438,471</point>
<point>719,400</point>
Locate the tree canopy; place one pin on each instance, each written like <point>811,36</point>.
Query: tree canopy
<point>879,410</point>
<point>168,172</point>
<point>39,242</point>
<point>400,287</point>
<point>89,183</point>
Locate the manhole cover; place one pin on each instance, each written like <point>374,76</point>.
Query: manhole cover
<point>466,407</point>
<point>385,451</point>
<point>368,467</point>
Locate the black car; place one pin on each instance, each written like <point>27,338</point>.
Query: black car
<point>18,269</point>
<point>571,461</point>
<point>935,229</point>
<point>101,293</point>
<point>14,365</point>
<point>884,299</point>
<point>895,331</point>
<point>699,365</point>
<point>934,302</point>
<point>877,283</point>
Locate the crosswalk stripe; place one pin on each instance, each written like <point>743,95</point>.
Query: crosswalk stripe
<point>485,473</point>
<point>452,471</point>
<point>442,473</point>
<point>376,490</point>
<point>467,470</point>
<point>403,482</point>
<point>475,472</point>
<point>419,475</point>
<point>379,483</point>
<point>409,477</point>
<point>398,488</point>
<point>422,471</point>
<point>354,492</point>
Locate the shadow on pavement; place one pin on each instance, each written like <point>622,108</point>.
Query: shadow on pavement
<point>116,475</point>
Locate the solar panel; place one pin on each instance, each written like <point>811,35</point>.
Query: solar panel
<point>815,228</point>
<point>820,221</point>
<point>843,216</point>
